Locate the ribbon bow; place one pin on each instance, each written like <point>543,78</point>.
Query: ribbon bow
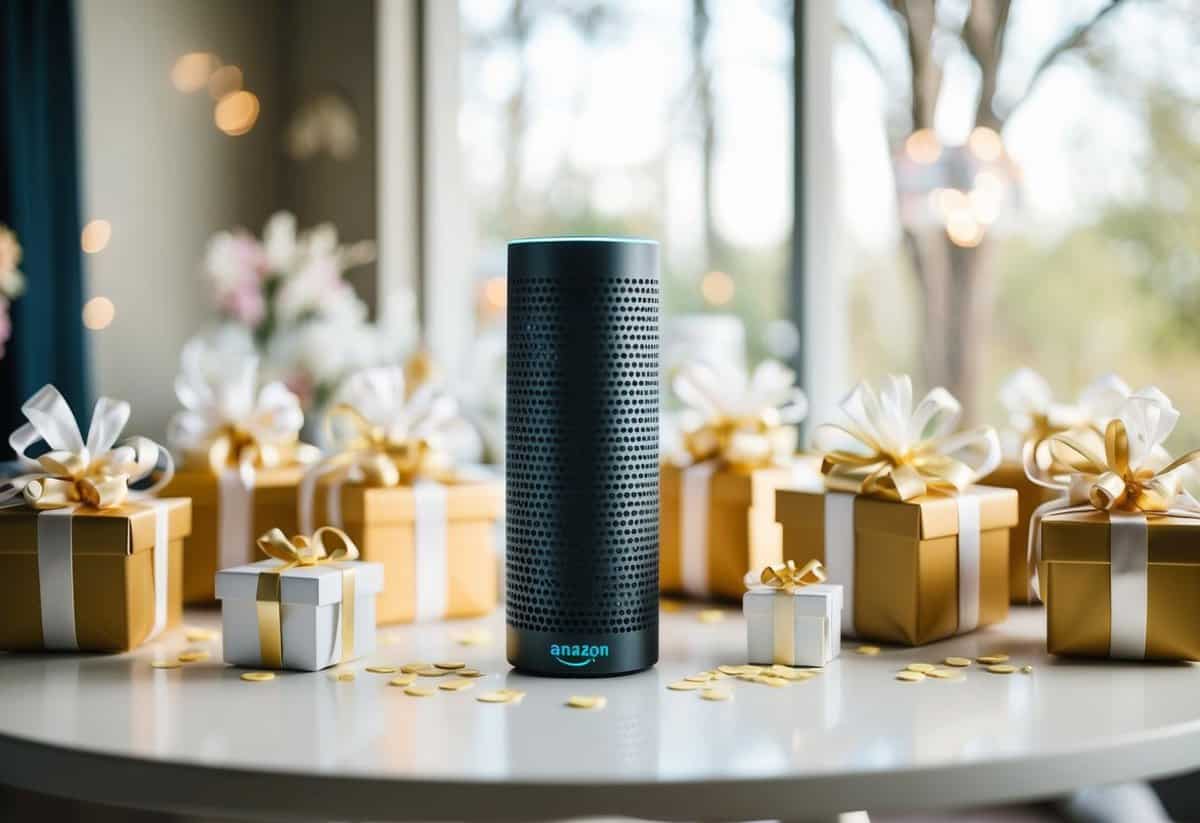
<point>746,421</point>
<point>786,576</point>
<point>301,550</point>
<point>95,472</point>
<point>1035,417</point>
<point>225,423</point>
<point>1130,470</point>
<point>890,450</point>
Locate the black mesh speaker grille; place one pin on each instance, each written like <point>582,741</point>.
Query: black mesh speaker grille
<point>582,449</point>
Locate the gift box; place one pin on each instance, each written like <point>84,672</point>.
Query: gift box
<point>793,625</point>
<point>227,514</point>
<point>716,523</point>
<point>436,543</point>
<point>276,615</point>
<point>1011,475</point>
<point>97,580</point>
<point>1076,582</point>
<point>905,574</point>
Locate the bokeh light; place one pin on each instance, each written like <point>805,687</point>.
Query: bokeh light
<point>717,288</point>
<point>963,229</point>
<point>986,144</point>
<point>225,80</point>
<point>98,313</point>
<point>495,293</point>
<point>192,71</point>
<point>236,113</point>
<point>95,236</point>
<point>923,146</point>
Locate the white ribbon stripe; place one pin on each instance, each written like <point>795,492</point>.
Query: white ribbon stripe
<point>693,527</point>
<point>56,579</point>
<point>968,561</point>
<point>159,562</point>
<point>1129,549</point>
<point>432,572</point>
<point>839,551</point>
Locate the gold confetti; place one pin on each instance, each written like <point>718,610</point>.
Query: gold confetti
<point>410,668</point>
<point>702,677</point>
<point>501,696</point>
<point>716,694</point>
<point>258,677</point>
<point>515,695</point>
<point>731,670</point>
<point>683,685</point>
<point>923,668</point>
<point>958,662</point>
<point>432,671</point>
<point>344,677</point>
<point>579,701</point>
<point>910,677</point>
<point>419,691</point>
<point>1027,669</point>
<point>403,680</point>
<point>451,666</point>
<point>772,681</point>
<point>381,669</point>
<point>748,677</point>
<point>945,674</point>
<point>469,673</point>
<point>193,656</point>
<point>166,664</point>
<point>992,658</point>
<point>456,685</point>
<point>716,675</point>
<point>710,615</point>
<point>1001,668</point>
<point>751,669</point>
<point>476,637</point>
<point>198,635</point>
<point>796,676</point>
<point>870,651</point>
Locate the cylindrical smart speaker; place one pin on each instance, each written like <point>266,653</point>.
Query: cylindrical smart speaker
<point>582,456</point>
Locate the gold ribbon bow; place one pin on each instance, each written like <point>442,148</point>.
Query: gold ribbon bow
<point>787,577</point>
<point>302,551</point>
<point>746,422</point>
<point>233,446</point>
<point>891,450</point>
<point>383,457</point>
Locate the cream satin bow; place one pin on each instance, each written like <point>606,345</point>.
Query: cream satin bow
<point>786,576</point>
<point>225,422</point>
<point>95,472</point>
<point>301,550</point>
<point>890,449</point>
<point>1034,416</point>
<point>746,421</point>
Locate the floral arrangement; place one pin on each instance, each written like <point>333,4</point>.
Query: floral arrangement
<point>285,298</point>
<point>12,282</point>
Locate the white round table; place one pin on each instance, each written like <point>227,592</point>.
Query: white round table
<point>198,739</point>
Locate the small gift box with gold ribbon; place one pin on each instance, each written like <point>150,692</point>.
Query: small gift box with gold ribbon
<point>920,552</point>
<point>792,616</point>
<point>310,606</point>
<point>717,490</point>
<point>242,461</point>
<point>391,483</point>
<point>1034,417</point>
<point>1118,552</point>
<point>86,562</point>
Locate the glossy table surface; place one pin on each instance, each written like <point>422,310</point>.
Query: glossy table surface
<point>198,738</point>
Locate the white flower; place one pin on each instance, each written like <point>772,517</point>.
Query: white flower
<point>279,241</point>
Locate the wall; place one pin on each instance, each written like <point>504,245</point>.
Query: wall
<point>157,168</point>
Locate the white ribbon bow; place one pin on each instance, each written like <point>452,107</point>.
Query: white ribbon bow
<point>1034,414</point>
<point>98,461</point>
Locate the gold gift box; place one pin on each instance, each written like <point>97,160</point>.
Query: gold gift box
<point>1011,475</point>
<point>1075,572</point>
<point>274,505</point>
<point>742,532</point>
<point>112,553</point>
<point>906,559</point>
<point>381,522</point>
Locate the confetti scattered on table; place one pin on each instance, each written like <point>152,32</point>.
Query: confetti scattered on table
<point>731,670</point>
<point>456,685</point>
<point>469,673</point>
<point>909,677</point>
<point>432,671</point>
<point>1001,668</point>
<point>957,662</point>
<point>193,656</point>
<point>344,677</point>
<point>579,701</point>
<point>501,696</point>
<point>870,651</point>
<point>382,669</point>
<point>166,664</point>
<point>988,659</point>
<point>716,694</point>
<point>1027,669</point>
<point>702,677</point>
<point>403,680</point>
<point>419,691</point>
<point>258,677</point>
<point>409,668</point>
<point>453,664</point>
<point>923,668</point>
<point>946,674</point>
<point>683,685</point>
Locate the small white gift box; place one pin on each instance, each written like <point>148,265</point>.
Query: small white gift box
<point>793,627</point>
<point>313,632</point>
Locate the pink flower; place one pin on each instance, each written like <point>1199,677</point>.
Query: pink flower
<point>245,304</point>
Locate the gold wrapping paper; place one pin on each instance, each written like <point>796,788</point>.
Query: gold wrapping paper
<point>112,553</point>
<point>742,532</point>
<point>906,559</point>
<point>1075,574</point>
<point>1011,475</point>
<point>274,506</point>
<point>380,520</point>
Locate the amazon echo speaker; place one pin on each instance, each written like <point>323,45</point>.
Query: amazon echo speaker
<point>582,456</point>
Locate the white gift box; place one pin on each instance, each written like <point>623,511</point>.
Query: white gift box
<point>310,610</point>
<point>795,628</point>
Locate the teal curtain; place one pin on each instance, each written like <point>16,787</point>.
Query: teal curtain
<point>39,199</point>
